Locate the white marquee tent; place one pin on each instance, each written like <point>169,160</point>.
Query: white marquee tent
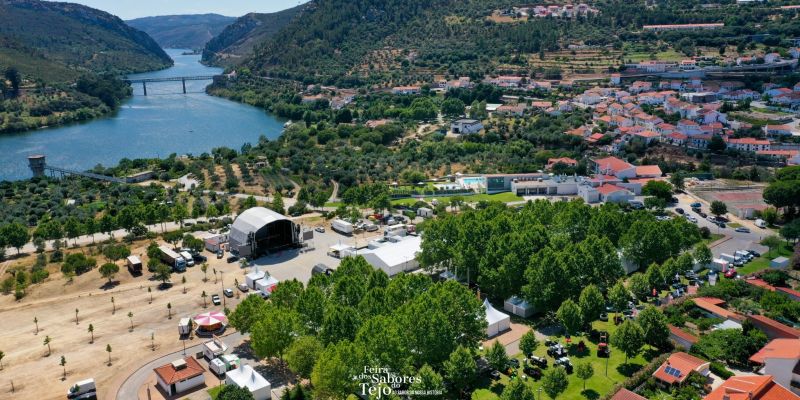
<point>498,321</point>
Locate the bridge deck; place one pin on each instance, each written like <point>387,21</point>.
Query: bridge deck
<point>84,174</point>
<point>172,79</point>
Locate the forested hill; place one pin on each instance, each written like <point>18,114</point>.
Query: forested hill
<point>60,41</point>
<point>239,38</point>
<point>364,42</point>
<point>183,31</point>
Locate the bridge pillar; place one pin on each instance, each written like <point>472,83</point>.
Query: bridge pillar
<point>144,86</point>
<point>183,80</point>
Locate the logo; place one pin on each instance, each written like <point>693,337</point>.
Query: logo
<point>378,382</point>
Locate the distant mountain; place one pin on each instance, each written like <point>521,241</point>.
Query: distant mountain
<point>183,31</point>
<point>240,38</point>
<point>59,41</point>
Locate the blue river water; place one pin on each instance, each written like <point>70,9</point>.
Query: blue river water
<point>163,122</point>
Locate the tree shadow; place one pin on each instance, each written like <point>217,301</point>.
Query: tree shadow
<point>109,285</point>
<point>590,394</point>
<point>652,353</point>
<point>628,369</point>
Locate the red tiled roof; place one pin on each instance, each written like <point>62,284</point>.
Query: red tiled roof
<point>613,163</point>
<point>760,283</point>
<point>754,387</point>
<point>170,375</point>
<point>609,188</point>
<point>682,362</point>
<point>749,140</point>
<point>563,160</point>
<point>647,170</point>
<point>788,291</point>
<point>675,331</point>
<point>625,394</point>
<point>778,348</point>
<point>779,329</point>
<point>711,304</point>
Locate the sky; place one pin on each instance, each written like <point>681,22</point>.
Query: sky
<point>129,9</point>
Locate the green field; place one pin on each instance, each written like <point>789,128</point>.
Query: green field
<point>597,386</point>
<point>214,392</point>
<point>762,263</point>
<point>669,55</point>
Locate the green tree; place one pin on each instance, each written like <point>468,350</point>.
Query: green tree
<point>108,270</point>
<point>91,332</point>
<point>15,235</point>
<point>247,313</point>
<point>497,356</point>
<point>654,326</point>
<point>772,242</point>
<point>677,180</point>
<point>619,296</point>
<point>274,332</point>
<point>233,392</point>
<point>163,273</point>
<point>629,338</point>
<point>47,341</point>
<point>718,208</point>
<point>460,369</point>
<point>332,377</point>
<point>277,203</point>
<point>287,293</point>
<point>428,380</point>
<point>791,230</point>
<point>302,354</point>
<point>179,214</point>
<point>658,189</point>
<point>528,343</point>
<point>517,390</point>
<point>591,303</point>
<point>702,254</point>
<point>554,381</point>
<point>63,364</point>
<point>570,316</point>
<point>584,371</point>
<point>108,350</point>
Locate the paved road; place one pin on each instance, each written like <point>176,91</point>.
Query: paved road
<point>130,388</point>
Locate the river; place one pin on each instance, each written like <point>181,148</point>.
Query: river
<point>163,122</point>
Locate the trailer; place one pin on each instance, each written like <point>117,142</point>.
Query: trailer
<point>343,227</point>
<point>185,326</point>
<point>251,278</point>
<point>223,364</point>
<point>727,257</point>
<point>173,259</point>
<point>83,390</point>
<point>214,348</point>
<point>216,242</point>
<point>134,265</point>
<point>266,285</point>
<point>395,230</point>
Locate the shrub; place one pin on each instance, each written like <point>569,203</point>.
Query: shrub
<point>719,370</point>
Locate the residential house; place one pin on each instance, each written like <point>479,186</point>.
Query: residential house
<point>640,86</point>
<point>773,329</point>
<point>675,139</point>
<point>688,127</point>
<point>778,130</point>
<point>777,91</point>
<point>614,194</point>
<point>614,166</point>
<point>648,171</point>
<point>180,376</point>
<point>677,368</point>
<point>682,338</point>
<point>789,157</point>
<point>517,110</point>
<point>665,128</point>
<point>749,144</point>
<point>699,141</point>
<point>466,127</point>
<point>751,388</point>
<point>787,99</point>
<point>563,160</point>
<point>771,58</point>
<point>625,394</point>
<point>712,307</point>
<point>737,95</point>
<point>402,90</point>
<point>647,136</point>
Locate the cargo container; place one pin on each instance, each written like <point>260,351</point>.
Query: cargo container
<point>134,265</point>
<point>173,259</point>
<point>83,390</point>
<point>342,227</point>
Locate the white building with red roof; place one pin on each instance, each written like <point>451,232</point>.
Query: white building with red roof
<point>751,388</point>
<point>678,366</point>
<point>749,144</point>
<point>180,376</point>
<point>614,166</point>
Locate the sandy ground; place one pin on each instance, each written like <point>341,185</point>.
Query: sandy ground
<point>37,375</point>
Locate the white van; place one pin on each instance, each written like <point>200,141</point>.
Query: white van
<point>188,257</point>
<point>761,223</point>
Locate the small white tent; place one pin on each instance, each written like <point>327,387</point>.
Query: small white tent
<point>246,377</point>
<point>497,321</point>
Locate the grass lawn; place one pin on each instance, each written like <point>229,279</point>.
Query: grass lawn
<point>335,204</point>
<point>734,225</point>
<point>214,392</point>
<point>504,197</point>
<point>669,55</point>
<point>713,238</point>
<point>762,263</point>
<point>596,387</point>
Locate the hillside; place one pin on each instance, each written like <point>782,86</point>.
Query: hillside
<point>59,41</point>
<point>241,37</point>
<point>182,31</point>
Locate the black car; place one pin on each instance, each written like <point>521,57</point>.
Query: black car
<point>702,214</point>
<point>494,374</point>
<point>549,342</point>
<point>533,372</point>
<point>538,361</point>
<point>754,253</point>
<point>232,259</point>
<point>513,363</point>
<point>199,258</point>
<point>679,210</point>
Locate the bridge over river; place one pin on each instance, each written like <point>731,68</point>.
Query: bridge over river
<point>182,79</point>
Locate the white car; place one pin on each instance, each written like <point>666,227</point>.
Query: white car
<point>691,219</point>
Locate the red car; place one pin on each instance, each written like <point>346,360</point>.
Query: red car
<point>730,273</point>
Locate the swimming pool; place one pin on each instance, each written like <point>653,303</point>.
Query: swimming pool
<point>473,181</point>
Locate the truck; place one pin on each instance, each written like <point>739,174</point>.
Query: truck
<point>214,348</point>
<point>134,265</point>
<point>173,259</point>
<point>188,257</point>
<point>761,223</point>
<point>223,364</point>
<point>727,257</point>
<point>83,390</point>
<point>343,227</point>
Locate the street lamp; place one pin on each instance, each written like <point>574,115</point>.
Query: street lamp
<point>222,285</point>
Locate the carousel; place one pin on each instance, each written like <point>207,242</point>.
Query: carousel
<point>210,323</point>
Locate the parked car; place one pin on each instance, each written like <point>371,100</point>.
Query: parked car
<point>742,229</point>
<point>513,363</point>
<point>220,253</point>
<point>228,292</point>
<point>215,299</point>
<point>721,224</point>
<point>603,351</point>
<point>702,214</point>
<point>199,258</point>
<point>679,210</point>
<point>494,374</point>
<point>243,287</point>
<point>754,253</point>
<point>550,342</point>
<point>691,219</point>
<point>538,361</point>
<point>566,363</point>
<point>730,273</point>
<point>696,205</point>
<point>320,229</point>
<point>232,259</point>
<point>533,371</point>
